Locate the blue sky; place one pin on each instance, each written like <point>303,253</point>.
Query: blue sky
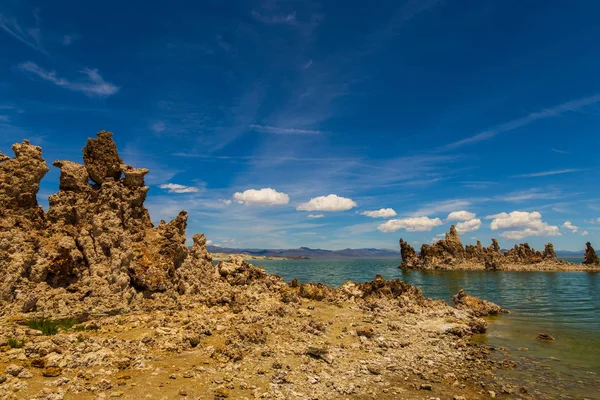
<point>488,110</point>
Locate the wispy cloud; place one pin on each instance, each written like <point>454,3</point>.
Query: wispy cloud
<point>93,86</point>
<point>560,151</point>
<point>548,173</point>
<point>69,39</point>
<point>157,127</point>
<point>529,194</point>
<point>284,131</point>
<point>224,44</point>
<point>289,19</point>
<point>477,184</point>
<point>555,111</point>
<point>32,37</point>
<point>442,206</point>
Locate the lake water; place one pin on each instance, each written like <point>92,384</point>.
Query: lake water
<point>564,304</point>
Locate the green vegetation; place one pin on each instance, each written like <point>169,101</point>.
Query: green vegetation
<point>14,343</point>
<point>50,327</point>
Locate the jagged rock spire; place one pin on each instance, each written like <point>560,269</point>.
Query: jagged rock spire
<point>19,184</point>
<point>101,158</point>
<point>590,257</point>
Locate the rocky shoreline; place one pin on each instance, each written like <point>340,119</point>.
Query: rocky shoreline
<point>450,254</point>
<point>96,302</point>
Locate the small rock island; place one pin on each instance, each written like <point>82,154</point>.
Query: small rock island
<point>449,253</point>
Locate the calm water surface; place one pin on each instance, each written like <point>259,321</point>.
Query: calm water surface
<point>563,304</point>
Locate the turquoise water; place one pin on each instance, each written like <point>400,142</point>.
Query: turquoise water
<point>564,304</point>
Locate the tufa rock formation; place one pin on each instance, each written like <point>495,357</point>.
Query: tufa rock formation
<point>590,257</point>
<point>478,307</point>
<point>96,247</point>
<point>450,253</point>
<point>408,254</point>
<point>447,251</point>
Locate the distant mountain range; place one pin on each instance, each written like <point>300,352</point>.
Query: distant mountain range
<point>567,253</point>
<point>306,252</point>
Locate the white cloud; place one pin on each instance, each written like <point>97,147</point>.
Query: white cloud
<point>157,127</point>
<point>209,242</point>
<point>284,131</point>
<point>416,224</point>
<point>548,173</point>
<point>315,216</point>
<point>93,86</point>
<point>521,224</point>
<point>226,202</point>
<point>585,233</point>
<point>468,226</point>
<point>176,188</point>
<point>460,216</point>
<point>263,197</point>
<point>570,226</point>
<point>331,202</point>
<point>381,213</point>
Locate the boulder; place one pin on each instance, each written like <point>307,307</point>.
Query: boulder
<point>478,307</point>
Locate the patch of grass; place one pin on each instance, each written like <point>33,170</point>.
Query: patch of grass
<point>15,343</point>
<point>51,327</point>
